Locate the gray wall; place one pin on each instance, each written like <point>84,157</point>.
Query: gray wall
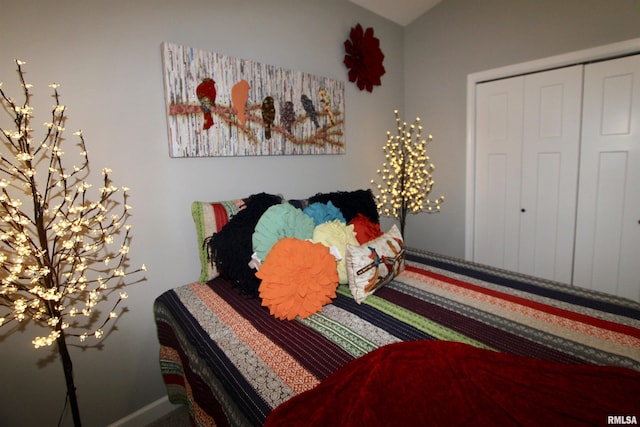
<point>106,56</point>
<point>459,37</point>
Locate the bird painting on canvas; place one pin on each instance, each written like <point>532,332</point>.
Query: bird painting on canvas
<point>206,93</point>
<point>239,96</point>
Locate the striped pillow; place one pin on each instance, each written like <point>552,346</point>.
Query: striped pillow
<point>209,218</point>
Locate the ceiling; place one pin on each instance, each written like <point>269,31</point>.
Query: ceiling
<point>401,12</point>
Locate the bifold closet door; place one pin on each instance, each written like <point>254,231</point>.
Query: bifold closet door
<point>527,144</point>
<point>499,107</point>
<point>607,253</point>
<point>550,151</point>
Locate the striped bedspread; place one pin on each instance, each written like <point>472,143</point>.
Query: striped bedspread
<point>232,363</point>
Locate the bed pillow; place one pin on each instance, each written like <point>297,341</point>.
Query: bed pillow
<point>209,218</point>
<point>365,228</point>
<point>231,247</point>
<point>298,278</point>
<point>338,235</point>
<point>277,222</point>
<point>375,263</point>
<point>351,203</point>
<point>323,212</point>
<point>299,203</point>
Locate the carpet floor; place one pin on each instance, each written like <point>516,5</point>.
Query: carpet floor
<point>179,417</point>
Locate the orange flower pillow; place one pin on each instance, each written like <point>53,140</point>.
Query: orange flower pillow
<point>298,278</point>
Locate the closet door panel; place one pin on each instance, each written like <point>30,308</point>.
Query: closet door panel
<point>607,253</point>
<point>498,165</point>
<point>551,142</point>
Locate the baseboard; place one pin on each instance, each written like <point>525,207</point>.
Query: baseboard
<point>146,414</point>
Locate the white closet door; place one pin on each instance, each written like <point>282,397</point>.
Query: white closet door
<point>498,165</point>
<point>551,143</point>
<point>607,253</point>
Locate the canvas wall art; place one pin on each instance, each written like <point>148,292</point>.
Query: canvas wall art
<point>219,105</point>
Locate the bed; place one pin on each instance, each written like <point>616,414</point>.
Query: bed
<point>444,342</point>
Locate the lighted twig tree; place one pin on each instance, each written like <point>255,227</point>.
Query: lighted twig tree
<point>406,174</point>
<point>61,254</point>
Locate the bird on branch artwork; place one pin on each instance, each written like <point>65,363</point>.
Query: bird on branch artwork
<point>219,105</point>
<point>241,115</point>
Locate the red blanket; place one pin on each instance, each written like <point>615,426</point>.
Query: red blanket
<point>443,383</point>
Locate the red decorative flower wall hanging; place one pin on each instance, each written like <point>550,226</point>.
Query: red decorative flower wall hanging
<point>364,58</point>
